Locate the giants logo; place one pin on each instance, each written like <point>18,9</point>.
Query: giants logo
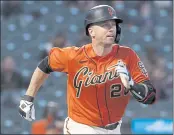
<point>142,68</point>
<point>110,11</point>
<point>92,79</point>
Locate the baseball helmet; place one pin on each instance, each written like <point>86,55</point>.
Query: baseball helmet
<point>102,13</point>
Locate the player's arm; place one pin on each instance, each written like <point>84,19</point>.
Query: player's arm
<point>57,60</point>
<point>142,90</point>
<point>41,73</point>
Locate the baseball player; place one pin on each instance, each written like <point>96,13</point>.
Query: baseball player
<point>102,76</point>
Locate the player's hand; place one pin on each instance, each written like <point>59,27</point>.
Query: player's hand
<point>124,75</point>
<point>26,108</point>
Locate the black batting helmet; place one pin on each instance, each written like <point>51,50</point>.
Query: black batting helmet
<point>103,13</point>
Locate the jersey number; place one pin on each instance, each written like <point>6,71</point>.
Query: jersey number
<point>116,90</point>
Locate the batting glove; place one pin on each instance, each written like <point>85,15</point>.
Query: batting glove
<point>121,69</point>
<point>26,108</point>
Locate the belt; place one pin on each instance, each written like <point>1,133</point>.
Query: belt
<point>111,126</point>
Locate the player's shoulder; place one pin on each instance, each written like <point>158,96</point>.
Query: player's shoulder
<point>68,49</point>
<point>126,49</point>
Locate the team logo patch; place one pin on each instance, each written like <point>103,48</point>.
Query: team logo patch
<point>142,68</point>
<point>110,11</point>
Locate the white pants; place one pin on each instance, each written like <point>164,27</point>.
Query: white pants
<point>72,127</point>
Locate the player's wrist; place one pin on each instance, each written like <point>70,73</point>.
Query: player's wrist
<point>28,98</point>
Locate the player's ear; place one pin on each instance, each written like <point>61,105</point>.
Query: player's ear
<point>91,31</point>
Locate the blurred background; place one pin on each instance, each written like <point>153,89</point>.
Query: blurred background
<point>29,29</point>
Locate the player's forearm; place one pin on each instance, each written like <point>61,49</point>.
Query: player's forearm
<point>37,80</point>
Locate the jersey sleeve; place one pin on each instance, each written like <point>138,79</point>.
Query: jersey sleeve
<point>136,68</point>
<point>58,58</point>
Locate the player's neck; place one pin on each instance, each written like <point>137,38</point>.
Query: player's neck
<point>100,49</point>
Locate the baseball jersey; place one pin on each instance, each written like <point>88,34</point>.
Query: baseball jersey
<point>95,94</point>
<point>41,127</point>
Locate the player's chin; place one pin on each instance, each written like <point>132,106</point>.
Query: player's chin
<point>109,41</point>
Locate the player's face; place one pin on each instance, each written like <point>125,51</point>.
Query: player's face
<point>104,32</point>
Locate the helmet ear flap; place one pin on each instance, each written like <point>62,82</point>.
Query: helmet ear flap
<point>118,33</point>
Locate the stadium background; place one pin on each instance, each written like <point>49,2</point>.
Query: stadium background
<point>30,28</point>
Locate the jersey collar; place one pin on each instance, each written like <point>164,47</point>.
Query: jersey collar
<point>91,54</point>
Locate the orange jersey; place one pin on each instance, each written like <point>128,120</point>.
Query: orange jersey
<point>40,127</point>
<point>95,94</point>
